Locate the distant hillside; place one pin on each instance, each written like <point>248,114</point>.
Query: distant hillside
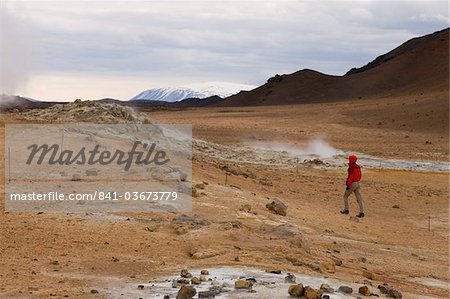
<point>9,102</point>
<point>190,102</point>
<point>420,65</point>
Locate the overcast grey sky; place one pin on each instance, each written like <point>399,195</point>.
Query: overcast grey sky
<point>63,50</point>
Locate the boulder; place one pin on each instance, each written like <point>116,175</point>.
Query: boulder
<point>277,207</point>
<point>211,293</point>
<point>179,282</point>
<point>389,291</point>
<point>195,280</point>
<point>204,272</point>
<point>185,273</point>
<point>207,294</point>
<point>326,288</point>
<point>243,284</point>
<point>345,289</point>
<point>296,290</point>
<point>364,290</point>
<point>186,292</point>
<point>290,278</point>
<point>311,293</point>
<point>273,271</point>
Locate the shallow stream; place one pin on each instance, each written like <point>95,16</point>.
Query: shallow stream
<point>267,285</point>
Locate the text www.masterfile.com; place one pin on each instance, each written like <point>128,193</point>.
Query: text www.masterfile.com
<point>96,195</point>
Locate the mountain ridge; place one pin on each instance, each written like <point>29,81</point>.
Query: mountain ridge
<point>419,65</point>
<point>196,90</point>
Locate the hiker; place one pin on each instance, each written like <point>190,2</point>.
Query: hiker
<point>352,183</point>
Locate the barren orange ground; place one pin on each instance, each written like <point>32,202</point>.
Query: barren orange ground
<point>68,255</point>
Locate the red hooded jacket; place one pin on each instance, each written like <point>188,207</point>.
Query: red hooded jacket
<point>354,171</point>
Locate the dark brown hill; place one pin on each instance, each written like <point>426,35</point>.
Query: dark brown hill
<point>420,65</point>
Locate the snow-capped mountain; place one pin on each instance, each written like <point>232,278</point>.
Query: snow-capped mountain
<point>197,90</point>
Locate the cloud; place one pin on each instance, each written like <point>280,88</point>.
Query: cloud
<point>361,13</point>
<point>189,41</point>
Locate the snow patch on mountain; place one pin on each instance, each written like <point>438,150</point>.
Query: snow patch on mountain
<point>196,90</point>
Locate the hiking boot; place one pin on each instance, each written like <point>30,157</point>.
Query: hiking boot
<point>360,215</point>
<point>345,212</point>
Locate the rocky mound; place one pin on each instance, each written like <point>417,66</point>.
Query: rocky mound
<point>87,111</point>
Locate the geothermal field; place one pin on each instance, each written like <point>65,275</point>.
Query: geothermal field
<point>193,149</point>
<point>233,244</point>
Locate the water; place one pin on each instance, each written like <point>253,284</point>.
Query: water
<point>288,156</point>
<point>381,163</point>
<point>268,285</point>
